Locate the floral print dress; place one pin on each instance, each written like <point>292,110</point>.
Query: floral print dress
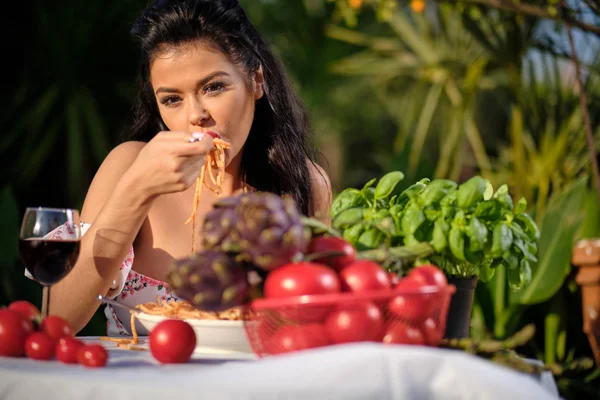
<point>129,288</point>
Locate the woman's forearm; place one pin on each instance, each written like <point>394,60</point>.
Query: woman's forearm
<point>103,249</point>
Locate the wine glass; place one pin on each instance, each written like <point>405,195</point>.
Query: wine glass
<point>49,246</point>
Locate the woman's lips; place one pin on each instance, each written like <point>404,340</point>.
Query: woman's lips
<point>214,135</point>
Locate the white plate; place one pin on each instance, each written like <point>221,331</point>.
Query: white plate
<point>215,337</point>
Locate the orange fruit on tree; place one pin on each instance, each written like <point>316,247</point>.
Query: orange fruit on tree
<point>417,5</point>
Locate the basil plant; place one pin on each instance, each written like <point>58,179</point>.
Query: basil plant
<point>472,228</point>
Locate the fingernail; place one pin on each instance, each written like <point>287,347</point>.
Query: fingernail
<point>198,135</point>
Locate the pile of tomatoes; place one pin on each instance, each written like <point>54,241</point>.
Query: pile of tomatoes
<point>400,310</point>
<point>24,333</point>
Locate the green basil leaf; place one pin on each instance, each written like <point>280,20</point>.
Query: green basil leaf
<point>522,246</point>
<point>489,190</point>
<point>459,218</point>
<point>387,184</point>
<point>521,206</point>
<point>502,239</point>
<point>473,257</point>
<point>436,190</point>
<point>477,234</point>
<point>519,277</point>
<point>449,199</point>
<point>504,197</point>
<point>529,224</point>
<point>489,210</point>
<point>471,192</point>
<point>409,193</point>
<point>525,271</point>
<point>348,217</point>
<point>353,233</point>
<point>439,239</point>
<point>368,184</point>
<point>348,198</point>
<point>510,260</point>
<point>456,241</point>
<point>448,212</point>
<point>432,214</point>
<point>410,240</point>
<point>387,226</point>
<point>411,220</point>
<point>514,278</point>
<point>371,238</point>
<point>486,272</point>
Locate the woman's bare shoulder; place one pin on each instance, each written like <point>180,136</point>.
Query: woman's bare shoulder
<point>321,195</point>
<point>114,166</point>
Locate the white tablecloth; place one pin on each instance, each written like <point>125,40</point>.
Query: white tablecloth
<point>355,371</point>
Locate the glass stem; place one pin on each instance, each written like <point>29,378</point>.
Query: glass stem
<point>45,301</point>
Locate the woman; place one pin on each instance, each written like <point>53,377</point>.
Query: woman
<point>204,69</point>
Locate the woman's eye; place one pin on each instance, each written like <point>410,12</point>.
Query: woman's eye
<point>169,101</point>
<point>214,88</point>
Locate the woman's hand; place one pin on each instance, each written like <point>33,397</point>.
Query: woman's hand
<point>171,162</point>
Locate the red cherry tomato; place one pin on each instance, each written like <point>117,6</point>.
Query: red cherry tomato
<point>356,323</point>
<point>433,336</point>
<point>172,341</point>
<point>92,355</point>
<point>409,305</point>
<point>429,275</point>
<point>364,276</point>
<point>66,349</point>
<point>25,308</point>
<point>394,278</point>
<point>400,333</point>
<point>290,338</point>
<point>56,327</point>
<point>300,279</point>
<point>39,346</point>
<point>331,244</point>
<point>14,329</point>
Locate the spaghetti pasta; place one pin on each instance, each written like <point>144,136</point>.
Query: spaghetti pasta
<point>172,309</point>
<point>214,160</point>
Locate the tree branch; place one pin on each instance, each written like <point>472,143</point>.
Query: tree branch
<point>535,11</point>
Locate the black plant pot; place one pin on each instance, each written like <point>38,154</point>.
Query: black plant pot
<point>459,315</point>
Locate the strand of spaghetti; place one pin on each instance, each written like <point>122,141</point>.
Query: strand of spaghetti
<point>197,196</point>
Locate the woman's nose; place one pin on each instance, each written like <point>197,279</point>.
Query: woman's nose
<point>198,114</point>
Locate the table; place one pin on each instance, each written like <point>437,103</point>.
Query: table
<point>351,371</point>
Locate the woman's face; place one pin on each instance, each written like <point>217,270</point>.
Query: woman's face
<point>198,89</point>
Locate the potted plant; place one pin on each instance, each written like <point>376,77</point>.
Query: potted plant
<point>471,229</point>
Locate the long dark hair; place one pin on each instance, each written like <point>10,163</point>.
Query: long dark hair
<point>275,155</point>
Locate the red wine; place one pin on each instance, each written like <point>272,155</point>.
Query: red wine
<point>48,261</point>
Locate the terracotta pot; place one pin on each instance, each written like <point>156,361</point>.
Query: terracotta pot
<point>458,324</point>
<point>586,257</point>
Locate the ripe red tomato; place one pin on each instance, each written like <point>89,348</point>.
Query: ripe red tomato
<point>429,275</point>
<point>66,349</point>
<point>14,329</point>
<point>330,244</point>
<point>433,336</point>
<point>39,346</point>
<point>355,323</point>
<point>299,279</point>
<point>364,276</point>
<point>56,327</point>
<point>290,338</point>
<point>409,305</point>
<point>92,355</point>
<point>400,333</point>
<point>394,278</point>
<point>172,341</point>
<point>25,308</point>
